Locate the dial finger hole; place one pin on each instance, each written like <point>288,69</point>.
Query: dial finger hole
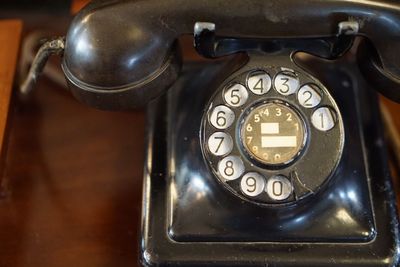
<point>252,184</point>
<point>286,83</point>
<point>231,167</point>
<point>220,143</point>
<point>259,82</point>
<point>309,96</point>
<point>279,187</point>
<point>323,119</point>
<point>236,95</point>
<point>222,117</point>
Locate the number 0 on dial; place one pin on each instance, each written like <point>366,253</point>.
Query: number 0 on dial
<point>279,187</point>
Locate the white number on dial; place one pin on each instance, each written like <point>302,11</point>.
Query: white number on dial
<point>309,96</point>
<point>222,117</point>
<point>323,119</point>
<point>231,167</point>
<point>286,83</point>
<point>259,82</point>
<point>220,143</point>
<point>279,187</point>
<point>252,184</point>
<point>236,95</point>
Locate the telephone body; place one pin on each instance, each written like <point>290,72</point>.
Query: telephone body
<point>272,155</point>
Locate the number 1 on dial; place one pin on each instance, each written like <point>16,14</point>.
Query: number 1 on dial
<point>323,119</point>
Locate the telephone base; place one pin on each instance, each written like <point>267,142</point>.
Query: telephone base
<point>189,219</point>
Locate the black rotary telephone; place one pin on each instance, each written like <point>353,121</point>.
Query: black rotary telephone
<point>272,155</point>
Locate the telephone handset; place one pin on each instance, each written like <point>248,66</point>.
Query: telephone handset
<point>127,50</point>
<point>265,157</point>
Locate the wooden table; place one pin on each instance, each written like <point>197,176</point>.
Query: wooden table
<point>73,177</point>
<point>76,180</point>
<point>10,34</point>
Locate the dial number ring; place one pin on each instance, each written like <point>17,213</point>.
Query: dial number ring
<point>297,124</point>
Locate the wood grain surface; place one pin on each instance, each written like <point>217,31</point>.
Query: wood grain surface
<point>77,5</point>
<point>74,184</point>
<point>10,35</point>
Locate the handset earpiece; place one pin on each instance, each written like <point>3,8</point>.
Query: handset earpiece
<point>123,91</point>
<point>113,60</point>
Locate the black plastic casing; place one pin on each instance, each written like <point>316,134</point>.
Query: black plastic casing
<point>191,220</point>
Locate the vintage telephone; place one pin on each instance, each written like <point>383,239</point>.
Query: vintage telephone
<point>267,156</point>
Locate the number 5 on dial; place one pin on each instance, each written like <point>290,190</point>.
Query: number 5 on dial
<point>236,95</point>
